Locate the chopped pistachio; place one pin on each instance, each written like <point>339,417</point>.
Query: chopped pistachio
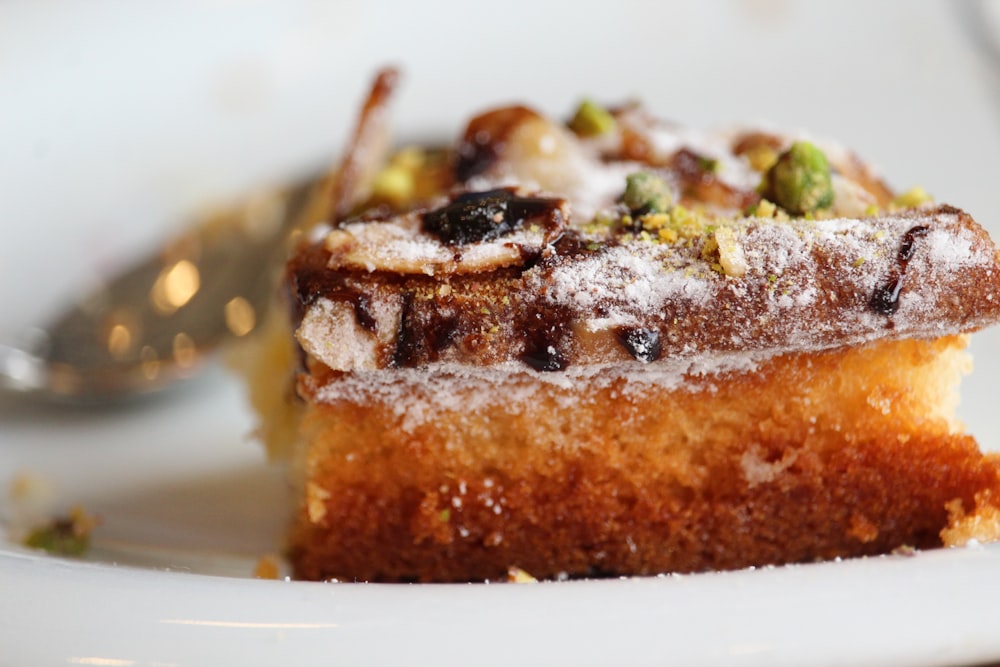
<point>64,536</point>
<point>667,235</point>
<point>397,182</point>
<point>710,165</point>
<point>444,515</point>
<point>761,158</point>
<point>689,224</point>
<point>411,157</point>
<point>710,251</point>
<point>654,221</point>
<point>646,192</point>
<point>911,198</point>
<point>591,120</point>
<point>682,216</point>
<point>858,262</point>
<point>872,210</point>
<point>763,209</point>
<point>800,180</point>
<point>603,219</point>
<point>595,226</point>
<point>394,183</point>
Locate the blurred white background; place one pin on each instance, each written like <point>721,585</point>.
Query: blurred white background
<point>120,118</point>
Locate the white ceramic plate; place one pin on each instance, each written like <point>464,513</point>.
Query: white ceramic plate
<point>931,609</point>
<point>188,505</point>
<point>119,117</point>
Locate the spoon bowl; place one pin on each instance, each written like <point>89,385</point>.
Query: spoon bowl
<point>158,320</point>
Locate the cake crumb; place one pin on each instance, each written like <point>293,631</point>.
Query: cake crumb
<point>863,528</point>
<point>757,469</point>
<point>64,535</point>
<point>267,567</point>
<point>516,575</point>
<point>981,525</point>
<point>316,497</point>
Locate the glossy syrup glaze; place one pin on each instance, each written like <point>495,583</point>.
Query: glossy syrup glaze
<point>885,299</point>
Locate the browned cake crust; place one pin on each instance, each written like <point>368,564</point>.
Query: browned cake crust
<point>813,456</point>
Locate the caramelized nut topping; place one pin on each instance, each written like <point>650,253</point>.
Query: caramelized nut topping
<point>564,251</point>
<point>485,139</point>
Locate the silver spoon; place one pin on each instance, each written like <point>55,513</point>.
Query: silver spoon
<point>155,323</point>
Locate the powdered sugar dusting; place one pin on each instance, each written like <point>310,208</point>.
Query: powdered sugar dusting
<point>954,251</point>
<point>400,246</point>
<point>419,395</point>
<point>806,285</point>
<point>623,284</point>
<point>691,278</point>
<point>797,274</point>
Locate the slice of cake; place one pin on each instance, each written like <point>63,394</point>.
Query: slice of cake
<point>619,347</point>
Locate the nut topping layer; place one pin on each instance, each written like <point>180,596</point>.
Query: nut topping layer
<point>620,239</point>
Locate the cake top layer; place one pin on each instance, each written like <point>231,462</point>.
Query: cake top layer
<point>618,238</point>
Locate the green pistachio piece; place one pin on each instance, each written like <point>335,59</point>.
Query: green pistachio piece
<point>708,164</point>
<point>64,535</point>
<point>799,181</point>
<point>647,193</point>
<point>913,197</point>
<point>591,120</point>
<point>59,537</point>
